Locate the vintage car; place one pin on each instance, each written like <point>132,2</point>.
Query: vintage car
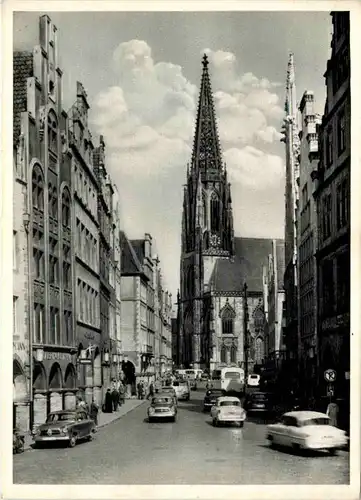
<point>259,402</point>
<point>182,389</point>
<point>162,407</point>
<point>66,425</point>
<point>228,410</point>
<point>210,399</point>
<point>306,430</point>
<point>168,389</point>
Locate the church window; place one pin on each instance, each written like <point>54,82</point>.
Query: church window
<point>258,318</point>
<point>227,321</point>
<point>65,207</point>
<point>223,355</point>
<point>204,211</point>
<point>233,354</point>
<point>38,189</point>
<point>214,213</point>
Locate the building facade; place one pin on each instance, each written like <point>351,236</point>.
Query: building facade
<point>332,196</point>
<point>290,138</point>
<point>307,230</point>
<point>221,321</point>
<point>46,163</point>
<point>86,231</point>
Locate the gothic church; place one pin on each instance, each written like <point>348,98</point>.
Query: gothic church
<point>214,305</point>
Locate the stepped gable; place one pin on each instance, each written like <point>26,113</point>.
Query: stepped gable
<point>130,261</point>
<point>22,70</point>
<point>251,254</point>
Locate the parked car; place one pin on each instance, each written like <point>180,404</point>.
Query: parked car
<point>253,380</point>
<point>210,398</point>
<point>182,389</point>
<point>66,425</point>
<point>228,410</point>
<point>162,407</point>
<point>306,430</point>
<point>259,402</point>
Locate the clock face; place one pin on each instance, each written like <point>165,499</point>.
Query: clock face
<point>215,240</point>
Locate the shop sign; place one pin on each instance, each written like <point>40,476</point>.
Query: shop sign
<point>19,346</point>
<point>57,356</point>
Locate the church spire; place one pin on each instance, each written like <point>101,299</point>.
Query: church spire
<point>206,149</point>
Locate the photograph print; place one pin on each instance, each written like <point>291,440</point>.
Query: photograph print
<point>181,248</point>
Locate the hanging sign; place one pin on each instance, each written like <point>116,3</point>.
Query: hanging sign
<point>330,375</point>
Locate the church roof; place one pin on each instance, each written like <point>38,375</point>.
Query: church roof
<point>251,254</point>
<point>130,261</point>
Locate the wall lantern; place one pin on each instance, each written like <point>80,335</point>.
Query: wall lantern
<point>39,354</point>
<point>120,357</point>
<point>115,358</point>
<point>106,357</point>
<point>83,354</point>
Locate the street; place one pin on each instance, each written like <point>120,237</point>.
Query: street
<point>190,451</point>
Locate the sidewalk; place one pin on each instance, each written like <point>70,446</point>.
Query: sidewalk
<point>103,418</point>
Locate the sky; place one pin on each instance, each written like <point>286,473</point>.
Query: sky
<point>142,74</point>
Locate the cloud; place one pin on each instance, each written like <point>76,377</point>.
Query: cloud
<point>254,168</point>
<point>147,120</point>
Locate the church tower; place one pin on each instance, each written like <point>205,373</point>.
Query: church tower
<point>207,224</point>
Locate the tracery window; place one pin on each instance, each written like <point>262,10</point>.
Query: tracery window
<point>233,354</point>
<point>259,350</point>
<point>214,212</point>
<point>228,321</point>
<point>65,208</point>
<point>223,355</point>
<point>38,189</point>
<point>53,132</point>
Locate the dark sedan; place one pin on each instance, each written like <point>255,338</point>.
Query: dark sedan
<point>67,425</point>
<point>210,399</point>
<point>262,402</point>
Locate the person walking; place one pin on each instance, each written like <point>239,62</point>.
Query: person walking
<point>108,405</point>
<point>121,390</point>
<point>139,389</point>
<point>115,399</point>
<point>151,390</point>
<point>332,412</point>
<point>94,410</point>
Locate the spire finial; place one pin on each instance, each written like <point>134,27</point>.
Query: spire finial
<point>205,61</point>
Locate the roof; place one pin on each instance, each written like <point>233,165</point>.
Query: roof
<point>251,254</point>
<point>130,264</point>
<point>138,246</point>
<point>305,414</point>
<point>22,70</point>
<point>227,398</point>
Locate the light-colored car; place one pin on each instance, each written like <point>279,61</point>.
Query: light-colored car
<point>162,407</point>
<point>253,380</point>
<point>306,430</point>
<point>169,389</point>
<point>182,389</point>
<point>66,425</point>
<point>228,410</point>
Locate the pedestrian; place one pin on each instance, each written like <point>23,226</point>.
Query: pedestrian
<point>115,399</point>
<point>121,393</point>
<point>332,412</point>
<point>151,390</point>
<point>139,389</point>
<point>94,409</point>
<point>108,405</point>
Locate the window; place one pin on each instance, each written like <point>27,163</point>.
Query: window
<point>39,324</point>
<point>38,189</point>
<point>326,216</point>
<point>233,354</point>
<point>215,215</point>
<point>329,147</point>
<point>341,133</point>
<point>65,208</point>
<point>227,321</point>
<point>52,133</point>
<point>68,327</point>
<point>15,250</point>
<point>53,202</point>
<point>54,326</point>
<point>15,315</point>
<point>223,355</point>
<point>342,204</point>
<point>343,282</point>
<point>38,263</point>
<point>328,292</point>
<point>204,211</point>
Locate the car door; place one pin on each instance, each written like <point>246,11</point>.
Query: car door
<point>291,432</point>
<point>278,431</point>
<point>82,424</point>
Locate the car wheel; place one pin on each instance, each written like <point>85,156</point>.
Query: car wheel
<point>150,420</point>
<point>72,441</point>
<point>333,451</point>
<point>91,437</point>
<point>241,424</point>
<point>214,422</point>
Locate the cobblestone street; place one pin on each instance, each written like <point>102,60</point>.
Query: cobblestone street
<point>191,451</point>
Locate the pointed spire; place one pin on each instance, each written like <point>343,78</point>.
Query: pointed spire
<point>290,104</point>
<point>206,149</point>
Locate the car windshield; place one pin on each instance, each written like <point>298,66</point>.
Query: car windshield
<point>254,376</point>
<point>60,417</point>
<point>314,421</point>
<point>260,397</point>
<point>156,401</point>
<point>175,384</point>
<point>229,403</point>
<point>215,394</point>
<point>232,375</point>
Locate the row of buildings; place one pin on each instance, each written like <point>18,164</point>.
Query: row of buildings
<point>278,306</point>
<point>312,312</point>
<point>89,305</point>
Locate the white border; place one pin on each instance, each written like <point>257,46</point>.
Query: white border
<point>8,490</point>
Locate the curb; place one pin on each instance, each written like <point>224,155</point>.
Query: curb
<point>28,447</point>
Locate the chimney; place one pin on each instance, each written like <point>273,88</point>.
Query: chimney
<point>147,246</point>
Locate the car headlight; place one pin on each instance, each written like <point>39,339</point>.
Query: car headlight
<point>65,430</point>
<point>151,410</point>
<point>49,433</point>
<point>172,409</point>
